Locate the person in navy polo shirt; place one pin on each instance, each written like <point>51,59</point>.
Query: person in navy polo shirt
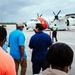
<point>39,42</point>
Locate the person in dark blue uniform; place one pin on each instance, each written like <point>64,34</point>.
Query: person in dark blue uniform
<point>39,42</point>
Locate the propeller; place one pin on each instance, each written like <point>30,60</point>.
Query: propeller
<point>39,15</point>
<point>56,16</point>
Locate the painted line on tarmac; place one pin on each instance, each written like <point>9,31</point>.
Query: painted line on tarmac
<point>68,42</point>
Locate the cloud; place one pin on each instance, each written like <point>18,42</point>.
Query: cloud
<point>23,10</point>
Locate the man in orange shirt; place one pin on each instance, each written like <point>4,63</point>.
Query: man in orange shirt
<point>7,65</point>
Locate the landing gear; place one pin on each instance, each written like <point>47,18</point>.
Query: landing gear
<point>27,28</point>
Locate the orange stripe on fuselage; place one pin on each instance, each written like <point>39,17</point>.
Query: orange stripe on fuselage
<point>44,23</point>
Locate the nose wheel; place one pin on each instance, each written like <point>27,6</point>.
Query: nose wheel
<point>26,28</point>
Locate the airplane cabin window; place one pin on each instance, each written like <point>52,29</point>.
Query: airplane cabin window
<point>33,20</point>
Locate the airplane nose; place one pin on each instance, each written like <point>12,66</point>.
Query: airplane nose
<point>30,25</point>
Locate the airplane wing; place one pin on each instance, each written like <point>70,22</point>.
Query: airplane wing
<point>70,16</point>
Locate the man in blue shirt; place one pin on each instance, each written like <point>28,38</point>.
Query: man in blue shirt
<point>39,42</point>
<point>17,48</point>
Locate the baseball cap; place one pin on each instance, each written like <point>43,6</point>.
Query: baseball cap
<point>19,24</point>
<point>3,25</point>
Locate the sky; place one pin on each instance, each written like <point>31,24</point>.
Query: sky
<point>24,10</point>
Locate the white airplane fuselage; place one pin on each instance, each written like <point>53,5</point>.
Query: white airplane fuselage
<point>61,23</point>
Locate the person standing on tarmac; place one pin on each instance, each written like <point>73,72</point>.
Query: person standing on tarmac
<point>54,33</point>
<point>39,42</point>
<point>5,46</point>
<point>7,65</point>
<point>17,48</point>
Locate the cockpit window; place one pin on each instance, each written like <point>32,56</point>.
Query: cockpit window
<point>33,20</point>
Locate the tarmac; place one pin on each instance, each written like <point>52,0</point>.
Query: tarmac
<point>67,37</point>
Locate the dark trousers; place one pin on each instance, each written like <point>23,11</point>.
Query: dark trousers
<point>37,66</point>
<point>54,36</point>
